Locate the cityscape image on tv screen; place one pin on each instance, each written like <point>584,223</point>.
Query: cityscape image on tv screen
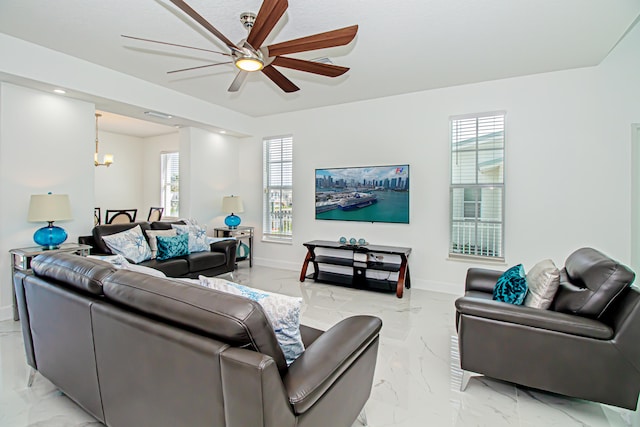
<point>370,194</point>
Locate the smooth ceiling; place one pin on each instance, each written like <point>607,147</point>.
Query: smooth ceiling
<point>402,46</point>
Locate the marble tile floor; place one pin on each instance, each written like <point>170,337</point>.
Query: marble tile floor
<point>416,380</point>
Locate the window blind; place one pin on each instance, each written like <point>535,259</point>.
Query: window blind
<point>278,188</point>
<point>170,183</point>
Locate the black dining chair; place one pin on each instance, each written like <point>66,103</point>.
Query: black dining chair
<point>155,213</point>
<point>120,216</point>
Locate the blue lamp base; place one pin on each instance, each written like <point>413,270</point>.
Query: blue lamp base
<point>232,221</point>
<point>50,237</point>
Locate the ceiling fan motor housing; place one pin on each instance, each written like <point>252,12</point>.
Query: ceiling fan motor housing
<point>247,19</point>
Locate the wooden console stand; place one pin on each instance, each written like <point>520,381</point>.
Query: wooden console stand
<point>359,259</point>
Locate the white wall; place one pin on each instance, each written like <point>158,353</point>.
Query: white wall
<point>45,145</point>
<point>133,180</point>
<point>209,170</point>
<point>121,185</point>
<point>152,148</point>
<point>635,197</point>
<point>567,172</point>
<point>568,158</point>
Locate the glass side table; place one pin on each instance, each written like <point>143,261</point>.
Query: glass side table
<point>240,233</point>
<point>21,261</point>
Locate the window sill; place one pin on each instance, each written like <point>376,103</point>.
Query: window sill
<point>476,258</point>
<point>281,241</point>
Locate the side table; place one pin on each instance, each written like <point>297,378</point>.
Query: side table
<point>240,233</point>
<point>21,261</point>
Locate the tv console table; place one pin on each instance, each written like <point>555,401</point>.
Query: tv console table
<point>360,258</point>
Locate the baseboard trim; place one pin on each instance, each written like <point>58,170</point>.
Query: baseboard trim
<point>442,287</point>
<point>282,265</point>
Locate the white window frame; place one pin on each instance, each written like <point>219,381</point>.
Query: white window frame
<point>167,187</point>
<point>479,236</point>
<point>278,189</point>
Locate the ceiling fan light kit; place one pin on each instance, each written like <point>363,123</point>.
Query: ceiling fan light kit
<point>247,60</point>
<point>250,56</point>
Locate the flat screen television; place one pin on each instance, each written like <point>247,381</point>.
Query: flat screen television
<point>367,193</point>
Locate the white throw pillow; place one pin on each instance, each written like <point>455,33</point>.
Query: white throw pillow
<point>543,281</point>
<point>153,242</point>
<point>282,311</point>
<point>131,244</point>
<point>197,236</point>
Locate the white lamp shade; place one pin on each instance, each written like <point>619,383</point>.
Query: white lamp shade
<point>232,204</point>
<point>49,208</point>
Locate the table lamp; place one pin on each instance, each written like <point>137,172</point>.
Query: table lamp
<point>231,204</point>
<point>49,208</point>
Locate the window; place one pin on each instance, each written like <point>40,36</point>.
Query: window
<point>170,183</point>
<point>278,188</point>
<point>471,202</point>
<point>477,185</point>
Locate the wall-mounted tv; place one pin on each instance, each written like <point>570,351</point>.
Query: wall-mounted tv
<point>367,193</point>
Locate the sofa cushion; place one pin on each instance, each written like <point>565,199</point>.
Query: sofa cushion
<point>542,280</point>
<point>78,272</point>
<point>283,312</point>
<point>589,283</point>
<point>511,286</point>
<point>172,246</point>
<point>172,267</point>
<point>201,261</point>
<point>120,262</point>
<point>229,318</point>
<point>130,243</point>
<point>164,225</point>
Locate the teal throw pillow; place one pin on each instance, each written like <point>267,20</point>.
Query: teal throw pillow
<point>512,286</point>
<point>172,246</point>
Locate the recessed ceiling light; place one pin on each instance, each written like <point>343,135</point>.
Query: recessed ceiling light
<point>223,131</point>
<point>60,91</point>
<point>159,115</point>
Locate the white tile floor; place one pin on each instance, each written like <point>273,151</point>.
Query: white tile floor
<point>416,377</point>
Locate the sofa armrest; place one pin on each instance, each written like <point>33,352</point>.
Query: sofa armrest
<point>228,248</point>
<point>253,391</point>
<point>533,317</point>
<point>327,358</point>
<point>481,279</point>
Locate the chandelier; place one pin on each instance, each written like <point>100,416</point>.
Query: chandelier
<point>107,160</point>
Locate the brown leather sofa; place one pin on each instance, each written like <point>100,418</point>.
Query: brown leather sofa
<point>221,259</point>
<point>587,345</point>
<point>137,350</point>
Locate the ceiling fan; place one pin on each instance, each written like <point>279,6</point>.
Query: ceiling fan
<point>250,56</point>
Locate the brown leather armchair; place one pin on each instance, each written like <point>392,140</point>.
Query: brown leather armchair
<point>587,345</point>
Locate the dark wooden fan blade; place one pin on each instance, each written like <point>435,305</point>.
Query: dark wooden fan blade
<point>198,67</point>
<point>203,22</point>
<point>278,78</point>
<point>333,38</point>
<point>237,82</point>
<point>328,70</point>
<point>174,44</point>
<point>268,16</point>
